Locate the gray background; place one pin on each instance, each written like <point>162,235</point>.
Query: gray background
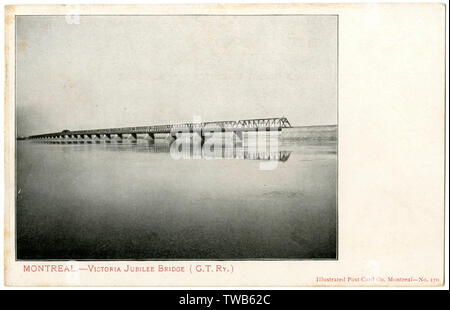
<point>114,71</point>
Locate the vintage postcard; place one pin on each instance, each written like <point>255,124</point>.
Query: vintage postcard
<point>225,145</point>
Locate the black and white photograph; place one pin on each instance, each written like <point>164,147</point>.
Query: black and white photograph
<point>225,147</point>
<point>176,137</point>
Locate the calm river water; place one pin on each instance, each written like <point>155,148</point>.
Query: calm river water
<point>133,200</point>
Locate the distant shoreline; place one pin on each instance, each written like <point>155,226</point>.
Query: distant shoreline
<point>308,126</point>
<point>317,132</point>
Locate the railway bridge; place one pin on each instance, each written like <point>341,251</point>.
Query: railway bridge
<point>174,130</point>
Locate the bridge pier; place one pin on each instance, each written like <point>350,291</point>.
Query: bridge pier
<point>203,137</point>
<point>238,138</point>
<point>119,135</point>
<point>171,138</point>
<point>200,135</point>
<point>151,136</point>
<point>134,136</point>
<point>108,136</point>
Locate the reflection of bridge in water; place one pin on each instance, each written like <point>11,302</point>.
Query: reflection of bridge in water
<point>227,152</point>
<point>223,152</point>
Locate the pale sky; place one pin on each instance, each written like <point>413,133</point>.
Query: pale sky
<point>118,71</point>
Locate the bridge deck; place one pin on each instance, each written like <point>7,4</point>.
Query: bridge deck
<point>234,126</point>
